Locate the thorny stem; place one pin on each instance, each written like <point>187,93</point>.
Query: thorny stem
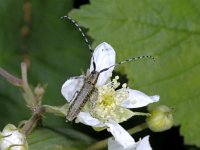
<point>102,144</point>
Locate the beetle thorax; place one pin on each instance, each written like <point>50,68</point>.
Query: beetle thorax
<point>93,77</point>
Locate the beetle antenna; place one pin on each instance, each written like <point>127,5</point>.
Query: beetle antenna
<point>80,30</point>
<point>128,60</point>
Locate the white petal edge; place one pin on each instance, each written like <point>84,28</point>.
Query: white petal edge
<point>71,86</point>
<point>138,99</point>
<point>13,137</point>
<point>114,145</point>
<point>144,144</point>
<point>104,57</point>
<point>120,135</point>
<point>87,119</point>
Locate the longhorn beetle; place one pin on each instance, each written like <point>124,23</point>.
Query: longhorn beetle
<point>88,88</point>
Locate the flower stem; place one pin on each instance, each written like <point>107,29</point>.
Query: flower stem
<point>32,101</point>
<point>10,78</point>
<point>103,143</point>
<point>28,94</point>
<point>138,128</point>
<point>33,121</point>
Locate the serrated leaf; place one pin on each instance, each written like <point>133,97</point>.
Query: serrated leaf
<point>168,30</point>
<point>59,139</point>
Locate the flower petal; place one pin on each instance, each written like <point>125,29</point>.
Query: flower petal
<point>87,119</point>
<point>71,86</point>
<point>114,145</point>
<point>13,136</point>
<point>120,135</point>
<point>144,144</point>
<point>138,99</point>
<point>104,57</point>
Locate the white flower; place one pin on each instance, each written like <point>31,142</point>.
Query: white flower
<point>110,106</point>
<point>142,144</point>
<point>104,57</point>
<point>13,139</point>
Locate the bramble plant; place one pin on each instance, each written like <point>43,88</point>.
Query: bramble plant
<point>104,111</point>
<point>35,115</point>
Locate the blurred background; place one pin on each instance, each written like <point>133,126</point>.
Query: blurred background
<point>54,50</point>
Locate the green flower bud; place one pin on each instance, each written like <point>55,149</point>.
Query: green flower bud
<point>161,119</point>
<point>39,90</point>
<point>12,138</point>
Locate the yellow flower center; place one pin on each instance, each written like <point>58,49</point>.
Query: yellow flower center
<point>107,106</point>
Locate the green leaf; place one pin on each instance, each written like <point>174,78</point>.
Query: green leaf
<point>54,47</point>
<point>59,139</point>
<point>168,30</point>
<point>55,50</point>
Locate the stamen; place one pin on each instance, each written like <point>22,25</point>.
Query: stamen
<point>107,106</point>
<point>116,77</point>
<point>124,85</point>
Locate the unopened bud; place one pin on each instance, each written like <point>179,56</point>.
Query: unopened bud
<point>161,119</point>
<point>12,138</point>
<point>39,90</point>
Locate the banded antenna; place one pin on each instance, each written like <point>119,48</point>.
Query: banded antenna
<point>80,30</point>
<point>128,60</point>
